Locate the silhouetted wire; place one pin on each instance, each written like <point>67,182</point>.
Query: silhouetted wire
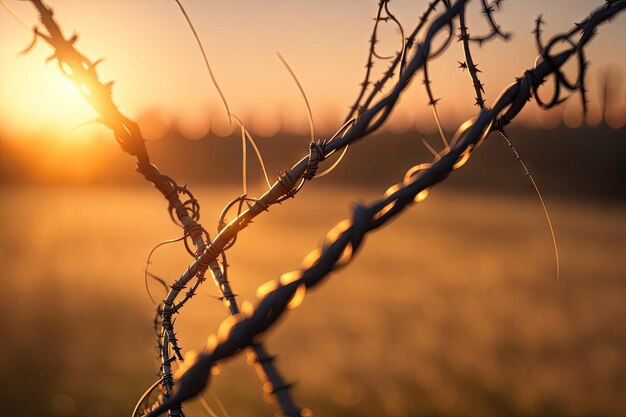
<point>355,108</point>
<point>518,157</point>
<point>403,43</point>
<point>145,269</point>
<point>473,71</point>
<point>304,97</point>
<point>204,56</point>
<point>343,241</point>
<point>245,134</point>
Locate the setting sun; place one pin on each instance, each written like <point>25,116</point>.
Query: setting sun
<point>43,99</point>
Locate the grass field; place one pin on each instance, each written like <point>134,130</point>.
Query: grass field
<point>453,309</point>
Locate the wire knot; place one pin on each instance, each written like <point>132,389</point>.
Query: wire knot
<point>199,237</point>
<point>316,155</point>
<point>285,179</point>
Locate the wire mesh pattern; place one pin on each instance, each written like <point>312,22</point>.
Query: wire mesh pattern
<point>244,327</point>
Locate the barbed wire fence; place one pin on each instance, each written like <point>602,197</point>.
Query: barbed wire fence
<point>244,327</point>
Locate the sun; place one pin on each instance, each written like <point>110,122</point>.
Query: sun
<point>43,101</point>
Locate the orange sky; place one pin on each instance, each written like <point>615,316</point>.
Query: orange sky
<point>158,71</point>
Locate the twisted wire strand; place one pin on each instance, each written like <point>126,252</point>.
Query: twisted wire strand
<point>367,123</point>
<point>449,35</point>
<point>400,61</point>
<point>284,187</point>
<point>373,118</point>
<point>472,70</point>
<point>83,73</point>
<point>469,65</point>
<point>287,181</point>
<point>267,371</point>
<point>220,275</point>
<point>130,140</point>
<point>343,241</point>
<point>355,108</point>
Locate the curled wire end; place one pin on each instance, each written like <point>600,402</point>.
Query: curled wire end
<point>306,101</point>
<point>147,274</point>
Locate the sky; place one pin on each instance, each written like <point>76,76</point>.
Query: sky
<point>161,81</point>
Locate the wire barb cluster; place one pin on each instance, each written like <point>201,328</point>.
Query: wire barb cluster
<point>372,107</point>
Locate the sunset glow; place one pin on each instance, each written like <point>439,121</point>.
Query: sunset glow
<point>443,178</point>
<point>159,76</point>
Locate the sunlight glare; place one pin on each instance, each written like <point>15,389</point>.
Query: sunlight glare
<point>47,99</point>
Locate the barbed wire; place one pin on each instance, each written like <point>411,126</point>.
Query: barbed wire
<point>241,330</point>
<point>472,69</point>
<point>183,208</point>
<point>343,241</point>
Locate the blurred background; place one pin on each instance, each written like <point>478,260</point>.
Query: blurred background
<point>453,309</point>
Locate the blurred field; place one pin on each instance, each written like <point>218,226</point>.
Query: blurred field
<point>454,309</point>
